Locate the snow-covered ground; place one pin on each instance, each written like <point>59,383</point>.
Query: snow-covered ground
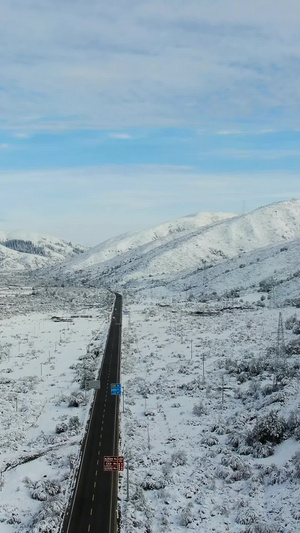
<point>210,368</point>
<point>43,363</point>
<point>212,441</point>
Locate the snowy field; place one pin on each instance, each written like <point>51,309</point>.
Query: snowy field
<point>211,422</point>
<point>43,365</point>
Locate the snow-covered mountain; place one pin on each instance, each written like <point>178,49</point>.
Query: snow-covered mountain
<point>179,249</point>
<point>20,250</point>
<point>149,239</point>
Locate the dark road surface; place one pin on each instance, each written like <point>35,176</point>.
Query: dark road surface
<point>94,504</point>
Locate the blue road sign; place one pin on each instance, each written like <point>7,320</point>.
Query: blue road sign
<point>116,389</point>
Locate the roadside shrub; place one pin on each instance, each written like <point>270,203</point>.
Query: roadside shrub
<point>61,427</point>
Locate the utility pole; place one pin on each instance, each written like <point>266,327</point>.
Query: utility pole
<point>222,389</point>
<point>203,361</point>
<point>280,348</point>
<point>191,349</point>
<point>128,479</point>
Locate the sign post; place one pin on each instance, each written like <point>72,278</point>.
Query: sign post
<point>113,463</point>
<point>116,389</point>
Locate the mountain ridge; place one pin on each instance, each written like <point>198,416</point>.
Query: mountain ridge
<point>176,254</point>
<point>21,250</point>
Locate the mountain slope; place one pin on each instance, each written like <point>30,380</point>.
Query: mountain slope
<point>180,252</point>
<point>21,250</point>
<point>153,237</point>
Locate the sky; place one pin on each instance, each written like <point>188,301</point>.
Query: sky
<point>118,116</point>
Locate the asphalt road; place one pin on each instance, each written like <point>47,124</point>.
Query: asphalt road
<point>94,504</point>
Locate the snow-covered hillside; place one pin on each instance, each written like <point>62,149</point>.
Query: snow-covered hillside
<point>20,250</point>
<point>180,248</point>
<point>148,239</point>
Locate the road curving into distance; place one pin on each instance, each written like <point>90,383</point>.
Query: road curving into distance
<point>93,507</point>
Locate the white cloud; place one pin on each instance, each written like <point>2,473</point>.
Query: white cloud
<point>120,135</point>
<point>115,66</point>
<point>20,135</point>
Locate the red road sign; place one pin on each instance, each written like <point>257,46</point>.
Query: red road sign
<point>113,462</point>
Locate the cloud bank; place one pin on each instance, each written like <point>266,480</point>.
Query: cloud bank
<point>86,64</point>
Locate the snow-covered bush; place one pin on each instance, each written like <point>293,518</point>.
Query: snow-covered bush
<point>234,440</point>
<point>139,500</point>
<point>179,458</point>
<point>260,527</point>
<point>296,463</point>
<point>150,483</point>
<point>290,322</point>
<point>296,327</point>
<point>47,520</point>
<point>277,476</point>
<point>266,285</point>
<point>220,429</point>
<point>43,490</point>
<point>186,516</point>
<point>246,515</point>
<point>293,347</point>
<point>74,425</point>
<point>209,440</point>
<point>199,409</point>
<point>260,451</point>
<point>248,367</point>
<point>293,421</point>
<point>239,469</point>
<point>61,427</point>
<point>268,429</point>
<point>76,399</point>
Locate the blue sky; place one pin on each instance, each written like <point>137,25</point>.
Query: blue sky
<point>115,118</point>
